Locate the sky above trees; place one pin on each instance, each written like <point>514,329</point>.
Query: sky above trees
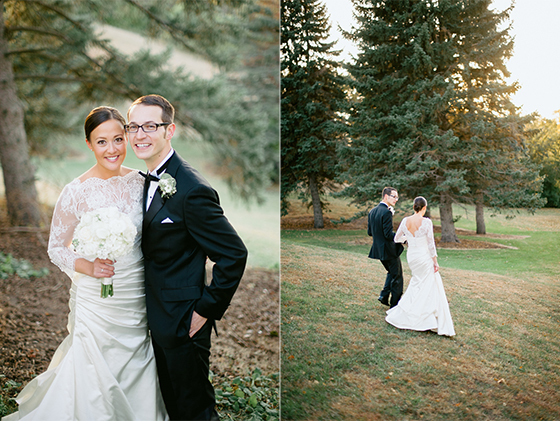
<point>534,63</point>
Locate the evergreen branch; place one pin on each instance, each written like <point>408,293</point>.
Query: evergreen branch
<point>54,78</point>
<point>58,12</point>
<point>38,30</point>
<point>96,42</point>
<point>165,25</point>
<point>124,90</point>
<point>355,216</point>
<point>26,51</point>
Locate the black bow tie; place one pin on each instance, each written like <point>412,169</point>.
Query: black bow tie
<point>148,176</point>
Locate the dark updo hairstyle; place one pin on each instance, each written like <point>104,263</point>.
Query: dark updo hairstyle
<point>100,115</point>
<point>419,203</point>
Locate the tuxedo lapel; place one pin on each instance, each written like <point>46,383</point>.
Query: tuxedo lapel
<point>155,206</point>
<point>145,197</point>
<point>173,165</point>
<point>157,202</point>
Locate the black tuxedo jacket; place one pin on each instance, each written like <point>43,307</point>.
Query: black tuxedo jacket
<point>380,227</point>
<point>178,235</point>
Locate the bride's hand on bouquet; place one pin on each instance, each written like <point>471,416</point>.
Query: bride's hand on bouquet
<point>103,268</point>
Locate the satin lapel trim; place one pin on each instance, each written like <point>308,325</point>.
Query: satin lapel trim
<point>157,201</point>
<point>155,206</point>
<point>145,198</point>
<point>173,166</point>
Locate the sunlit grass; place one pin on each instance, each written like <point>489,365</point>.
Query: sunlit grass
<point>341,360</point>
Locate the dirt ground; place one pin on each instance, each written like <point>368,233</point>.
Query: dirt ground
<point>33,317</point>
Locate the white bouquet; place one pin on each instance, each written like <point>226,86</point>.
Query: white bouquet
<point>104,233</point>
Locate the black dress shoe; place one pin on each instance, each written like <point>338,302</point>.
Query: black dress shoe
<point>384,301</point>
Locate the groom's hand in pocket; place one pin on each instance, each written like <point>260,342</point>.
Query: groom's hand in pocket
<point>197,322</point>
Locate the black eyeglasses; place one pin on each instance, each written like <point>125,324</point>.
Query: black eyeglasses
<point>147,127</point>
<point>394,197</point>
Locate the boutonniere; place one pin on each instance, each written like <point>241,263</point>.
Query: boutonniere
<point>167,185</point>
<point>392,209</point>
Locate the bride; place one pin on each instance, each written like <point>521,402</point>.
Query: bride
<point>424,305</point>
<point>105,368</point>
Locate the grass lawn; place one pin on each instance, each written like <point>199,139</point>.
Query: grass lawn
<point>342,361</point>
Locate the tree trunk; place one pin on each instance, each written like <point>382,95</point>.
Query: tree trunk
<point>480,225</point>
<point>316,200</point>
<point>448,234</point>
<point>19,174</point>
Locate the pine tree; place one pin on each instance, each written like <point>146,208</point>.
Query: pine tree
<point>263,74</point>
<point>484,117</point>
<point>53,62</point>
<point>312,92</point>
<point>21,195</point>
<point>400,131</point>
<point>544,149</point>
<point>433,114</point>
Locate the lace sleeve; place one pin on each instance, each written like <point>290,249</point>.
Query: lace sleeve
<point>400,236</point>
<point>64,221</point>
<point>431,241</point>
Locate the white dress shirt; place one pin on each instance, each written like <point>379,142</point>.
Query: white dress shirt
<point>154,184</point>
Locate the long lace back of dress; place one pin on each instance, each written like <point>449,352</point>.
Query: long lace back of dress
<point>78,198</point>
<point>424,236</point>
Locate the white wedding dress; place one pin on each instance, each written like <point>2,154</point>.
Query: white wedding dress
<point>105,369</point>
<point>424,305</point>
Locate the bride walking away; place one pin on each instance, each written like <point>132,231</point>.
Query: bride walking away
<point>424,305</point>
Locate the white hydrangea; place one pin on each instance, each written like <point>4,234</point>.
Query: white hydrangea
<point>104,233</point>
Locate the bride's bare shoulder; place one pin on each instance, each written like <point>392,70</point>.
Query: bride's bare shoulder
<point>126,170</point>
<point>408,221</point>
<point>88,174</point>
<point>93,173</point>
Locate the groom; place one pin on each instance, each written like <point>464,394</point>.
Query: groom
<point>384,248</point>
<point>183,226</point>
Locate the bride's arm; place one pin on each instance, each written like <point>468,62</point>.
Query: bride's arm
<point>400,236</point>
<point>431,241</point>
<point>99,268</point>
<point>432,244</point>
<point>64,222</point>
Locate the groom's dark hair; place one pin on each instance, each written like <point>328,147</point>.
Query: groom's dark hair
<point>167,110</point>
<point>388,191</point>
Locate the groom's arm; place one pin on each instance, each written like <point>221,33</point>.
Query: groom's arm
<point>387,221</point>
<point>370,223</point>
<point>212,231</point>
